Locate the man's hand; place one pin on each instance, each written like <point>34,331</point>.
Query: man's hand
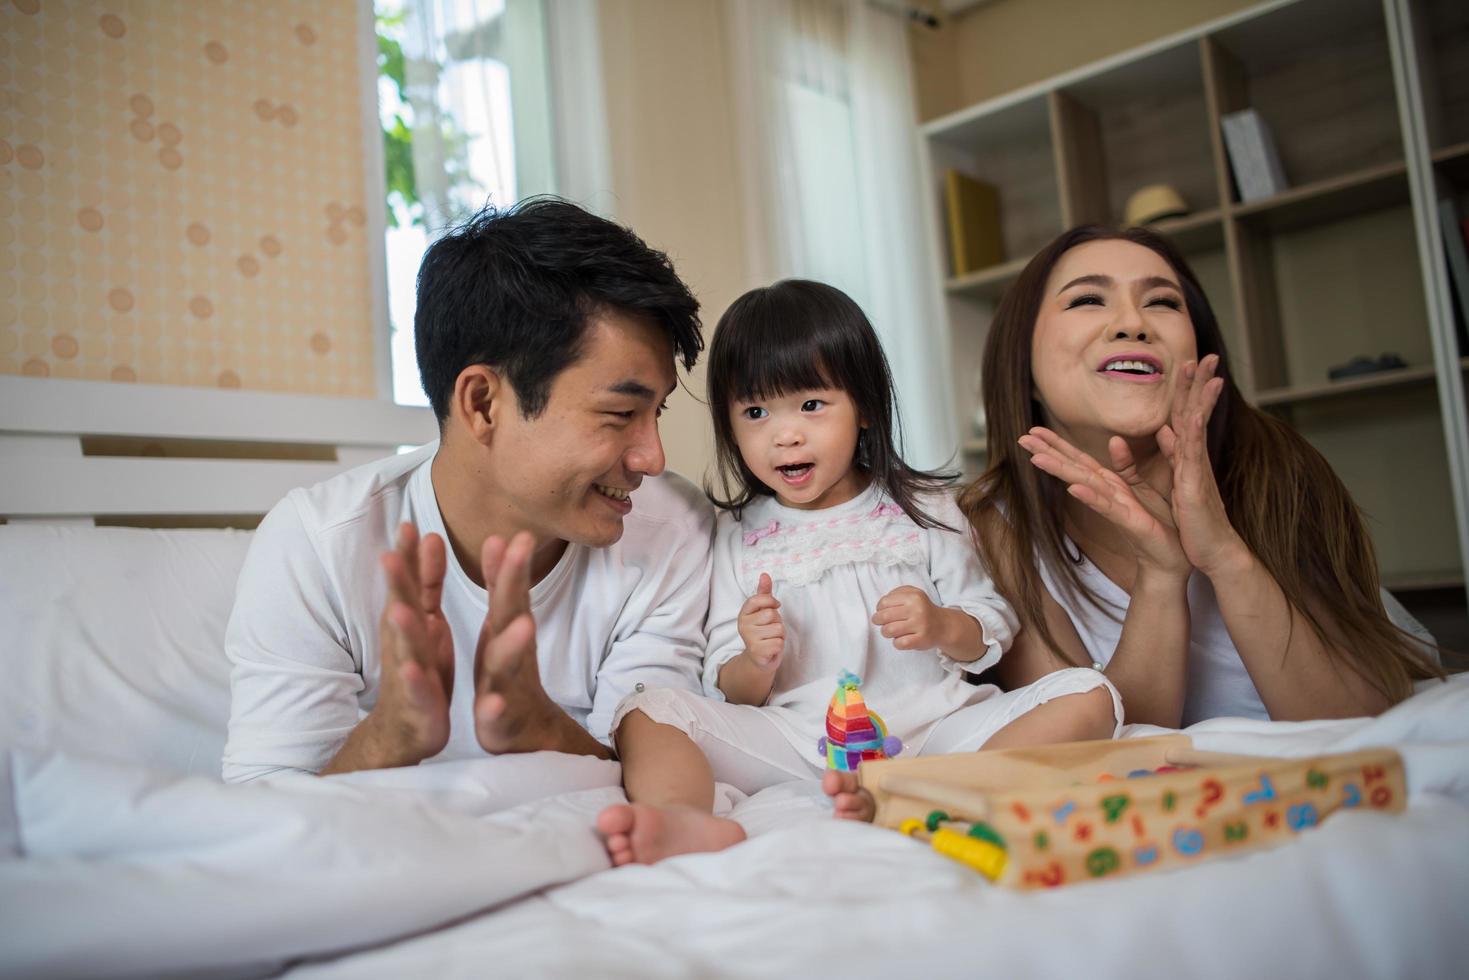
<point>761,627</point>
<point>410,721</point>
<point>512,711</point>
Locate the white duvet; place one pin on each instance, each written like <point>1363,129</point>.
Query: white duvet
<point>116,870</point>
<point>111,659</point>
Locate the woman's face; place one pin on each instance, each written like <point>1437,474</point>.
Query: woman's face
<point>1110,342</point>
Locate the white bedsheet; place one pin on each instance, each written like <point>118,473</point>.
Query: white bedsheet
<point>116,870</point>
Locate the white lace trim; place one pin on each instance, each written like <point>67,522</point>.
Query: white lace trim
<point>800,554</point>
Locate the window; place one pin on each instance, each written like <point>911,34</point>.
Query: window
<point>464,102</point>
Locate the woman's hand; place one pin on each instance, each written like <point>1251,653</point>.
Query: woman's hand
<point>1120,495</point>
<point>1208,539</point>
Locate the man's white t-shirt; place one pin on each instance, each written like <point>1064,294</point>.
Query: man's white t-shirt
<point>303,637</point>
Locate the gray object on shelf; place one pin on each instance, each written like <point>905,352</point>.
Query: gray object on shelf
<point>1358,366</point>
<point>1252,155</point>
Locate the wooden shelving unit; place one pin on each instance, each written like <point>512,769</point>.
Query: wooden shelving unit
<point>987,283</point>
<point>1328,200</point>
<point>1333,268</point>
<point>1344,387</point>
<point>1424,582</point>
<point>1392,378</point>
<point>1453,162</point>
<point>1194,232</point>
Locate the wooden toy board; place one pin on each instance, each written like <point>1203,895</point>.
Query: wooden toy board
<point>1086,810</point>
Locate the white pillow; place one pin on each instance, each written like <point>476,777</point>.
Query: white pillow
<point>112,641</point>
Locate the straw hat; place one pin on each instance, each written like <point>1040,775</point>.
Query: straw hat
<point>1153,203</point>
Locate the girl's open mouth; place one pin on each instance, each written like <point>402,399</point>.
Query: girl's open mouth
<point>796,473</point>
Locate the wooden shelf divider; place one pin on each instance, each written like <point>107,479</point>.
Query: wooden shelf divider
<point>1326,200</point>
<point>1453,162</point>
<point>1394,378</point>
<point>987,283</point>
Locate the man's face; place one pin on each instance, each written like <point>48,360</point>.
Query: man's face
<point>566,474</point>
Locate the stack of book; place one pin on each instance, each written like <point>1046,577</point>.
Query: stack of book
<point>1252,155</point>
<point>974,223</point>
<point>1456,246</point>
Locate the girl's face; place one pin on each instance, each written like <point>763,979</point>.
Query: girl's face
<point>801,445</point>
<point>1110,342</point>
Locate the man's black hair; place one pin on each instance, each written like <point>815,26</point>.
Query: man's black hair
<point>517,289</point>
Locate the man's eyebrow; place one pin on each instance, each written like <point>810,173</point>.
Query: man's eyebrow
<point>633,389</point>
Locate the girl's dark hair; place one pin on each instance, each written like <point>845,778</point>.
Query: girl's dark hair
<point>797,335</point>
<point>517,288</point>
<point>1280,494</point>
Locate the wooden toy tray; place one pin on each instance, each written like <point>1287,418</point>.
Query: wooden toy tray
<point>1058,814</point>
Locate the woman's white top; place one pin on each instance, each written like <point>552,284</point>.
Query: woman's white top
<point>829,569</point>
<point>1217,681</point>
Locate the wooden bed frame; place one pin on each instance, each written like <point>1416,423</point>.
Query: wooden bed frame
<point>93,451</point>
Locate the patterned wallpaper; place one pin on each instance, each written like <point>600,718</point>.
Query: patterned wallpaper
<point>182,194</point>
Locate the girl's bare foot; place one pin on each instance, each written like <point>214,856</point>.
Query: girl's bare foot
<point>637,833</point>
<point>850,801</point>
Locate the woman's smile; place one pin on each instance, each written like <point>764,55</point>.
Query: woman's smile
<point>1132,368</point>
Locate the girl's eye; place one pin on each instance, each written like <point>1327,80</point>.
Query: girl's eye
<point>1167,301</point>
<point>1086,299</point>
<point>811,404</point>
<point>754,412</point>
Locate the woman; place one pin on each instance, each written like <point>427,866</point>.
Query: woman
<point>1218,566</point>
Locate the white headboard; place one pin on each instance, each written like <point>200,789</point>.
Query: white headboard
<point>78,450</point>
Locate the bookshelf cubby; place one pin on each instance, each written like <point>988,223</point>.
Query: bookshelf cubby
<point>1436,43</point>
<point>1368,105</point>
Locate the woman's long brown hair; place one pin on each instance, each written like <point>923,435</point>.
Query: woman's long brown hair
<point>1281,495</point>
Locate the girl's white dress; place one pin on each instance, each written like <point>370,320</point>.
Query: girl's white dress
<point>830,568</point>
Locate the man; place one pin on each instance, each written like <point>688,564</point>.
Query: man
<point>575,572</point>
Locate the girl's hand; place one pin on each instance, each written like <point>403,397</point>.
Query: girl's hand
<point>1208,539</point>
<point>910,619</point>
<point>1122,496</point>
<point>761,627</point>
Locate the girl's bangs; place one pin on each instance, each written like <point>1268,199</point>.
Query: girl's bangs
<point>777,364</point>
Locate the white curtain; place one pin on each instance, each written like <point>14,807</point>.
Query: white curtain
<point>476,100</point>
<point>477,85</point>
<point>834,189</point>
<point>578,89</point>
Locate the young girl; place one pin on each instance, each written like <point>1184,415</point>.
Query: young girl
<point>832,554</point>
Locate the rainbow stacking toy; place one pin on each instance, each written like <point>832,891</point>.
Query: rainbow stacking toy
<point>853,733</point>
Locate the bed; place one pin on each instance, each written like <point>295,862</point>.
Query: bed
<point>123,854</point>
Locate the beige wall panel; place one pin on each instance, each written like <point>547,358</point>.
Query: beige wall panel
<point>675,170</point>
<point>182,197</point>
<point>1004,45</point>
